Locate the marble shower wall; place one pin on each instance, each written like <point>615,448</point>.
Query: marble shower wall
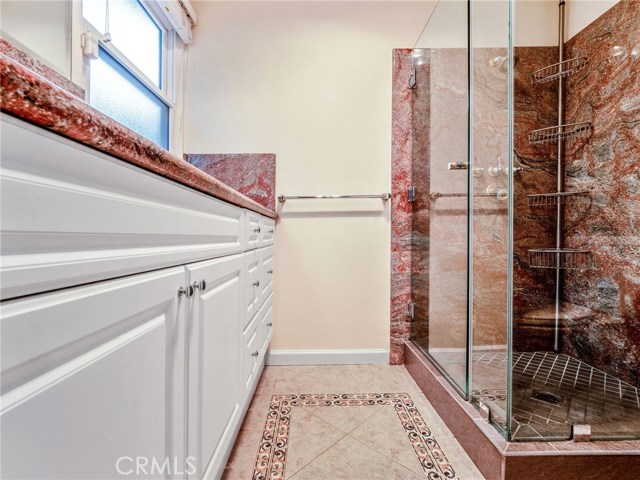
<point>421,207</point>
<point>601,306</point>
<point>607,164</point>
<point>447,241</point>
<point>252,174</point>
<point>535,106</point>
<point>401,151</point>
<point>429,236</point>
<point>490,214</point>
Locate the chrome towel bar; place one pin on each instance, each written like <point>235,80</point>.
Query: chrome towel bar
<point>284,198</point>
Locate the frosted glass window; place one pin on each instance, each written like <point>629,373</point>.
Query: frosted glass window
<point>117,93</point>
<point>133,32</point>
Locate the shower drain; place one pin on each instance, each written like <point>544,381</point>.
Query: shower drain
<point>547,397</point>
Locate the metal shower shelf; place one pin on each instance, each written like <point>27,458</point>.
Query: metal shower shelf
<point>558,70</point>
<point>552,134</point>
<point>563,258</point>
<point>559,198</point>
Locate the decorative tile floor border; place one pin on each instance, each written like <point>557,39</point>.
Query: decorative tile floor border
<point>272,453</point>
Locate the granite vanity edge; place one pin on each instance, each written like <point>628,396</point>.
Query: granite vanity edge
<point>30,62</point>
<point>26,95</point>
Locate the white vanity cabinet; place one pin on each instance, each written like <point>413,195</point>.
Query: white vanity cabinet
<point>215,352</point>
<point>130,307</point>
<point>93,374</point>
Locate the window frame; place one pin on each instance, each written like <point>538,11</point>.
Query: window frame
<point>166,91</point>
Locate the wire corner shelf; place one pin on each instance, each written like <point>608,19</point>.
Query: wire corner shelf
<point>560,258</point>
<point>558,198</point>
<point>558,70</point>
<point>559,132</point>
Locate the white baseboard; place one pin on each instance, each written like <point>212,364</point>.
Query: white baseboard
<point>328,357</point>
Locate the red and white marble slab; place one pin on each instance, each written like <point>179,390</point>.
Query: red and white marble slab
<point>29,96</point>
<point>401,212</point>
<point>606,164</point>
<point>252,174</point>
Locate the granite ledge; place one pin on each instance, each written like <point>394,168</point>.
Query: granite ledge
<point>30,97</point>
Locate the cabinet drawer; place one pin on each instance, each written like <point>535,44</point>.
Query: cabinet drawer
<point>252,285</point>
<point>265,330</point>
<point>266,272</point>
<point>250,361</point>
<point>267,231</point>
<point>252,229</point>
<point>71,215</point>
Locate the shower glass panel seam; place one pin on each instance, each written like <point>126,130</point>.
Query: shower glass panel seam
<point>470,191</point>
<point>510,215</point>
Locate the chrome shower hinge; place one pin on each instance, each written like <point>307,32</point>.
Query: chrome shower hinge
<point>412,79</point>
<point>411,310</point>
<point>411,194</point>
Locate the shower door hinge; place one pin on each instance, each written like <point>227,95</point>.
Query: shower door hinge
<point>412,79</point>
<point>411,194</point>
<point>411,310</point>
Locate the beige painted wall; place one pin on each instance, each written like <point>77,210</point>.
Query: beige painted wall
<point>310,82</point>
<point>42,28</point>
<point>536,21</point>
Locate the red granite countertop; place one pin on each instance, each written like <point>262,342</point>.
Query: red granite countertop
<point>30,97</point>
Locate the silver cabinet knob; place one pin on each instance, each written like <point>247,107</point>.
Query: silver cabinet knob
<point>270,272</point>
<point>256,283</point>
<point>186,291</point>
<point>270,324</point>
<point>271,230</point>
<point>201,285</point>
<point>255,354</point>
<point>256,230</point>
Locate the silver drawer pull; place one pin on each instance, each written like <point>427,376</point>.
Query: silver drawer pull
<point>186,291</point>
<point>255,354</point>
<point>271,230</point>
<point>270,272</point>
<point>256,230</point>
<point>256,283</point>
<point>270,324</point>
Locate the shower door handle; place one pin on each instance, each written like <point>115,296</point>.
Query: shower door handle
<point>458,166</point>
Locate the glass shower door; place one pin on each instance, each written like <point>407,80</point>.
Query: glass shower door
<point>440,234</point>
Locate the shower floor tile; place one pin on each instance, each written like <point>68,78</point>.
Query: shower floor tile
<point>553,391</point>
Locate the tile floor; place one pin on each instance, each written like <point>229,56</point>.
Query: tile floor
<point>339,437</point>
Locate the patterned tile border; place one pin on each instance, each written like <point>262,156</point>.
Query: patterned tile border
<point>272,453</point>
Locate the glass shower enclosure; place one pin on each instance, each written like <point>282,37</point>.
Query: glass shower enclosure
<point>500,279</point>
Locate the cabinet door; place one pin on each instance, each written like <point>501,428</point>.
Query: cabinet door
<point>214,362</point>
<point>92,377</point>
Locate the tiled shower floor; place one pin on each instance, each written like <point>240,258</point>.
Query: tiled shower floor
<point>554,391</point>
